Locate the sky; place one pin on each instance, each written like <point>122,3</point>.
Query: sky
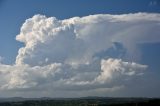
<point>79,48</point>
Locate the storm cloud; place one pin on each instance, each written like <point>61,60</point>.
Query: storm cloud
<point>94,53</point>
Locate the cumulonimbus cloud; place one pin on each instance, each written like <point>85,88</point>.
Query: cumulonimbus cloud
<point>71,54</point>
<point>77,40</point>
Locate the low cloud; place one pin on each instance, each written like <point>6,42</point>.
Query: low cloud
<point>58,76</point>
<point>113,68</point>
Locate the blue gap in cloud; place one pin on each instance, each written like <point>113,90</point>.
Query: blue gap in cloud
<point>117,50</point>
<point>151,55</point>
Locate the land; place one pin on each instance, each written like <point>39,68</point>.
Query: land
<point>84,101</point>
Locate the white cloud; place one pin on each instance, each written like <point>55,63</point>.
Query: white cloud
<point>63,55</point>
<point>113,68</point>
<point>24,76</point>
<point>76,40</point>
<point>58,76</point>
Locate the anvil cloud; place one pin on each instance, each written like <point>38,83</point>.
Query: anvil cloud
<point>72,54</point>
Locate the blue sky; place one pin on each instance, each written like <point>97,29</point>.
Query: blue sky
<point>134,45</point>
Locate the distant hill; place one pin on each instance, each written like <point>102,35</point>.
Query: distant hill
<point>83,101</point>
